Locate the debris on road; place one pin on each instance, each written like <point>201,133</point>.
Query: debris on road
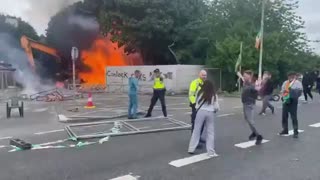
<point>101,141</point>
<point>20,144</point>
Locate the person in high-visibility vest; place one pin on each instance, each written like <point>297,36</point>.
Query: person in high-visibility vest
<point>159,90</point>
<point>195,87</point>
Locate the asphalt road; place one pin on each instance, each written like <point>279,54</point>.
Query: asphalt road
<point>147,156</point>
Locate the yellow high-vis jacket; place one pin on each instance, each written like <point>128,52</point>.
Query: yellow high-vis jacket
<point>195,86</point>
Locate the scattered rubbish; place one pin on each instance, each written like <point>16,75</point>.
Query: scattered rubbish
<point>74,110</point>
<point>295,159</point>
<point>105,139</point>
<point>81,144</point>
<point>53,95</point>
<point>73,138</point>
<point>20,144</point>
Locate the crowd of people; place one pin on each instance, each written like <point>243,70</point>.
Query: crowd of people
<point>204,103</point>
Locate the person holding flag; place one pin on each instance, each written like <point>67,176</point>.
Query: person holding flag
<point>291,91</point>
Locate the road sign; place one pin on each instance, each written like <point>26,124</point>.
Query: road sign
<point>74,53</point>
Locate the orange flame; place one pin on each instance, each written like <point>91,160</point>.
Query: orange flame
<point>103,53</point>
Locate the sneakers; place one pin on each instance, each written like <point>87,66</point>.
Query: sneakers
<point>212,154</point>
<point>259,140</point>
<point>147,116</point>
<point>252,136</point>
<point>262,114</point>
<point>284,132</point>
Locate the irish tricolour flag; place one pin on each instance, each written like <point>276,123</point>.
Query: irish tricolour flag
<point>258,40</point>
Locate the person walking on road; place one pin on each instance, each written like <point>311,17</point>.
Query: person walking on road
<point>307,82</point>
<point>318,83</point>
<point>291,91</point>
<point>206,106</point>
<point>248,98</point>
<point>195,86</point>
<point>266,93</point>
<point>159,91</point>
<point>133,95</point>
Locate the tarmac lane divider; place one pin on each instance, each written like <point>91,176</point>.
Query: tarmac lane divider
<point>249,144</point>
<point>190,160</point>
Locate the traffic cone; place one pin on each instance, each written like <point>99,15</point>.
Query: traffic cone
<point>90,103</point>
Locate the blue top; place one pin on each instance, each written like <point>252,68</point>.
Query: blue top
<point>133,85</point>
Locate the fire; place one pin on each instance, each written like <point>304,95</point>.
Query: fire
<point>103,53</point>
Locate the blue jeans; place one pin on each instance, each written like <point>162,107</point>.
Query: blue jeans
<point>133,105</point>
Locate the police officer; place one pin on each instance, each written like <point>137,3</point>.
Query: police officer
<point>159,90</point>
<point>195,86</point>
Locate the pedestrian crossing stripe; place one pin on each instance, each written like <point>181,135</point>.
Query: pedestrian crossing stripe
<point>191,160</point>
<point>248,144</point>
<point>315,125</point>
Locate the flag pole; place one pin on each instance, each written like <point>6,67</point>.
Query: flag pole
<point>261,38</point>
<point>239,80</point>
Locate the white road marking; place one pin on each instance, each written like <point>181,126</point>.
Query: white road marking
<point>126,177</point>
<point>224,115</point>
<point>54,142</point>
<point>48,132</point>
<point>63,117</point>
<point>4,138</point>
<point>40,110</point>
<point>315,125</point>
<point>190,160</point>
<point>291,133</point>
<point>248,144</point>
<point>1,147</point>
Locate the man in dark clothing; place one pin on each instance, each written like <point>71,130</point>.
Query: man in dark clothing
<point>266,93</point>
<point>248,98</point>
<point>307,83</point>
<point>291,91</point>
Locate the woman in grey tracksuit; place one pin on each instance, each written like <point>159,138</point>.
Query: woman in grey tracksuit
<point>207,105</point>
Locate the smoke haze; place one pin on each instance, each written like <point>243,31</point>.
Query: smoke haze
<point>17,57</point>
<point>39,12</point>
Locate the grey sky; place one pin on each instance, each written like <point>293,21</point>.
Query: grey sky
<point>38,13</point>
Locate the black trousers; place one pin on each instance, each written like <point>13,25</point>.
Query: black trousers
<point>158,94</point>
<point>291,109</point>
<point>307,91</point>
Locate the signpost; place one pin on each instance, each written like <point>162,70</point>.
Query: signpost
<point>74,55</point>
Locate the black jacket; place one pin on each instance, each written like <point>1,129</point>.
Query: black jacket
<point>267,88</point>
